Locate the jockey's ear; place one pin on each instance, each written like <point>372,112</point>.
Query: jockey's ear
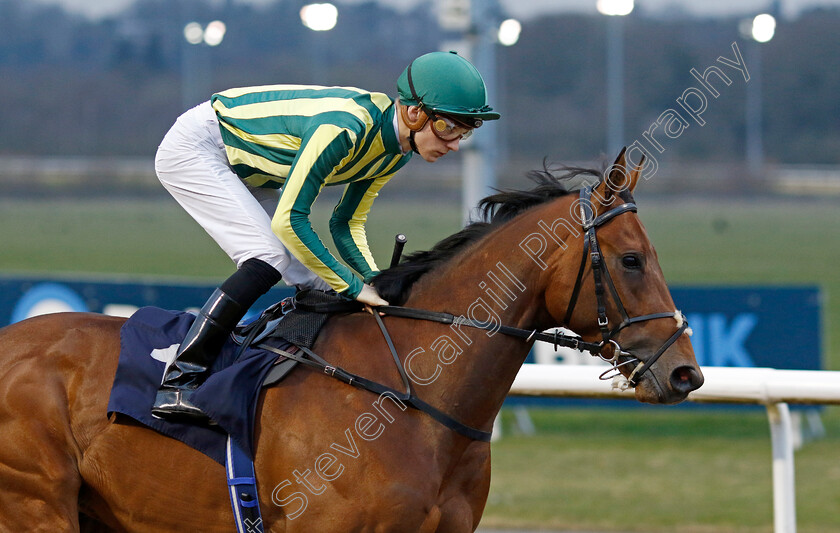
<point>413,117</point>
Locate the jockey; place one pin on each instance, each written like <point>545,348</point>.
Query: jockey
<point>248,165</point>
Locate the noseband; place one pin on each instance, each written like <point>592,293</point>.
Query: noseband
<point>601,277</point>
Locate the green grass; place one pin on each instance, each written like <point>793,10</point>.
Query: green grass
<point>614,470</point>
<point>641,469</point>
<point>156,237</point>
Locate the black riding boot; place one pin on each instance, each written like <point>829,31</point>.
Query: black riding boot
<point>205,339</point>
<point>199,349</point>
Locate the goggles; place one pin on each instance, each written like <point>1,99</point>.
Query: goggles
<point>449,129</point>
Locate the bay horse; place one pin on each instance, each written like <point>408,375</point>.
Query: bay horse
<point>330,457</point>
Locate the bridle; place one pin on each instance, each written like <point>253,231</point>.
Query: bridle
<point>601,276</point>
<point>603,281</point>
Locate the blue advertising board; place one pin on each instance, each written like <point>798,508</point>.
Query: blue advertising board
<point>777,327</point>
<point>21,298</point>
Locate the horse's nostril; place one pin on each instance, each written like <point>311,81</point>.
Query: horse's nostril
<point>686,379</point>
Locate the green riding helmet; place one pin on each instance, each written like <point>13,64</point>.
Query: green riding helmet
<point>446,83</point>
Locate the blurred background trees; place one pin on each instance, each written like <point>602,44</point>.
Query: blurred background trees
<point>75,86</point>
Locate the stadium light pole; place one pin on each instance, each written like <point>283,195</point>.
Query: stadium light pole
<point>195,68</point>
<point>480,29</point>
<point>759,30</point>
<point>320,18</point>
<point>615,11</point>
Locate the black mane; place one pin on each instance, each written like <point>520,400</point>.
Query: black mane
<point>394,284</point>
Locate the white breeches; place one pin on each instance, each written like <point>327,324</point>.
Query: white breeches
<point>191,163</point>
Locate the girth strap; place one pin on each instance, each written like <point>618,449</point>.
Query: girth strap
<point>242,488</point>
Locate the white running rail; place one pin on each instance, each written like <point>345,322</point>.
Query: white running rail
<point>774,389</point>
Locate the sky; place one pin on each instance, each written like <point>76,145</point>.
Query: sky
<point>526,9</point>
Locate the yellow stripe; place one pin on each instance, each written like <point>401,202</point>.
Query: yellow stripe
<point>382,101</point>
<point>241,91</point>
<point>323,136</point>
<point>258,180</point>
<point>241,157</point>
<point>271,140</point>
<point>281,225</point>
<point>359,218</point>
<point>376,149</point>
<point>306,107</point>
<point>391,165</point>
<point>281,222</point>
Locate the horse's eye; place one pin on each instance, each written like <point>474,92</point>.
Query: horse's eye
<point>632,261</point>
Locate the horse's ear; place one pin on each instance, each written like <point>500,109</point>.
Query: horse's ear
<point>617,178</point>
<point>636,173</point>
<point>620,178</point>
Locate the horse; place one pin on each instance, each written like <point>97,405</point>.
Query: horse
<point>330,457</point>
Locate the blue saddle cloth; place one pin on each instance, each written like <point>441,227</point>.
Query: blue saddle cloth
<point>229,396</point>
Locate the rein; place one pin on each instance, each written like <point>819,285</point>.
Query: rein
<point>556,338</point>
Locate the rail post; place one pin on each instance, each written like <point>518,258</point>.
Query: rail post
<point>784,486</point>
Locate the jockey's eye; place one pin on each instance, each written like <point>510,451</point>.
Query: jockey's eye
<point>632,261</point>
<point>448,129</point>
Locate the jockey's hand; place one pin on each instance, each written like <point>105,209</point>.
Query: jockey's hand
<point>370,297</point>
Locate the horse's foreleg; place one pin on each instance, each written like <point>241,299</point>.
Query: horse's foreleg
<point>465,493</point>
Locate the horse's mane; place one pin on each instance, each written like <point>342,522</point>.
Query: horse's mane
<point>394,284</point>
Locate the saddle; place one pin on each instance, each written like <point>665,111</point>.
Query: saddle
<point>256,356</point>
<point>291,325</point>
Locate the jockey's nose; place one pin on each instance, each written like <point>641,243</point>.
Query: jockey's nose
<point>453,144</point>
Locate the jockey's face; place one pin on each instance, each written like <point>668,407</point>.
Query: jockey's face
<point>432,147</point>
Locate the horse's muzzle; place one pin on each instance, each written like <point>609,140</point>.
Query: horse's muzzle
<point>685,379</point>
<point>668,387</point>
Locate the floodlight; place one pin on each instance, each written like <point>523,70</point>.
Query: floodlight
<point>763,27</point>
<point>615,7</point>
<point>509,31</point>
<point>214,33</point>
<point>193,33</point>
<point>319,17</point>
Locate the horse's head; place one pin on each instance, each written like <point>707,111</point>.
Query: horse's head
<point>600,277</point>
<point>618,292</point>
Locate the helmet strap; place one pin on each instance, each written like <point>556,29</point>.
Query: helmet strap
<point>411,141</point>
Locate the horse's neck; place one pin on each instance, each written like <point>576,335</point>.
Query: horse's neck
<point>468,371</point>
